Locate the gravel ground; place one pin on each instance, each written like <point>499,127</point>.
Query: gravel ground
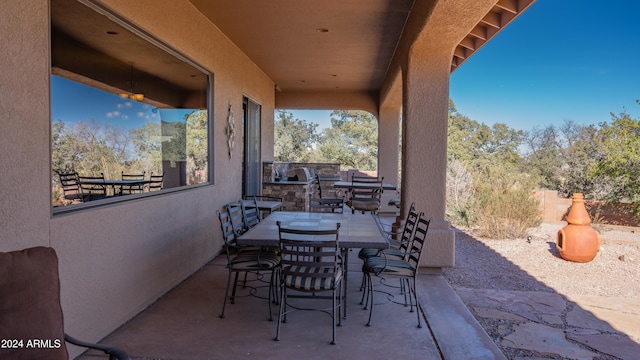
<point>489,264</point>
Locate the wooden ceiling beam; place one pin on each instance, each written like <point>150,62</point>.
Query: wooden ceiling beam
<point>469,43</point>
<point>511,6</point>
<point>493,19</point>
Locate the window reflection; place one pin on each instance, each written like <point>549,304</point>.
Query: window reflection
<point>122,110</point>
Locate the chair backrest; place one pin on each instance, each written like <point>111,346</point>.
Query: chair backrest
<point>155,182</point>
<point>373,191</point>
<point>132,189</point>
<point>228,233</point>
<point>324,192</point>
<point>366,179</point>
<point>93,190</point>
<point>237,220</point>
<point>409,227</point>
<point>302,249</point>
<point>250,213</point>
<point>133,176</point>
<point>70,186</point>
<point>332,205</point>
<point>417,243</point>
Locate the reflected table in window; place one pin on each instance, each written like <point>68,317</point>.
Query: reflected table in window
<point>115,183</point>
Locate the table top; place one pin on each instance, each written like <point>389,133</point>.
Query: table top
<point>356,230</point>
<point>361,185</point>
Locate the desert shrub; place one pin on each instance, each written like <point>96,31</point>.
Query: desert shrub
<point>504,206</point>
<point>460,200</point>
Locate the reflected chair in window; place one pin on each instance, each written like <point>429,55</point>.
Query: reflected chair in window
<point>156,182</point>
<point>332,205</point>
<point>406,269</point>
<point>250,213</point>
<point>367,198</point>
<point>71,187</point>
<point>245,260</point>
<point>93,187</point>
<point>133,188</point>
<point>310,264</point>
<point>31,310</point>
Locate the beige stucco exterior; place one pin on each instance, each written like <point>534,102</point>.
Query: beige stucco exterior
<point>117,259</point>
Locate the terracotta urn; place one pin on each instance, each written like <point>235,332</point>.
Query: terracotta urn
<point>578,241</point>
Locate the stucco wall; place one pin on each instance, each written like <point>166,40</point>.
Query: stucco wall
<point>116,260</point>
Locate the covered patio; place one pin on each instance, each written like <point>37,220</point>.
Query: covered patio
<point>392,58</point>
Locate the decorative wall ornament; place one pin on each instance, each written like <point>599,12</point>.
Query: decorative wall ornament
<point>230,132</point>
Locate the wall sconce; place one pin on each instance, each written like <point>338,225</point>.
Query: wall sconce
<point>230,131</point>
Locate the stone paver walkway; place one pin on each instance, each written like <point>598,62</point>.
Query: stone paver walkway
<point>529,325</point>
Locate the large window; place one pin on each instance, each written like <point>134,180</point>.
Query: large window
<point>122,103</point>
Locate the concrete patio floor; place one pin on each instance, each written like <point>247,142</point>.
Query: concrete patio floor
<point>185,324</point>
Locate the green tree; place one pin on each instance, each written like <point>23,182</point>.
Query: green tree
<point>294,138</point>
<point>579,155</point>
<point>619,159</point>
<point>197,147</point>
<point>543,156</point>
<point>352,140</point>
<point>478,145</point>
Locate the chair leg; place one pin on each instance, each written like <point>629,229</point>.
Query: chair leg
<point>406,289</point>
<point>363,288</point>
<point>415,295</point>
<point>280,312</point>
<point>235,286</point>
<point>226,293</point>
<point>370,297</point>
<point>271,293</point>
<point>333,318</point>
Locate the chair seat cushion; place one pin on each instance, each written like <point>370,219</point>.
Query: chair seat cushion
<point>30,305</point>
<point>366,205</point>
<point>255,260</point>
<point>312,282</point>
<point>379,265</point>
<point>390,253</point>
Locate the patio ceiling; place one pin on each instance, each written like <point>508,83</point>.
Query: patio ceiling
<point>329,45</point>
<point>312,45</point>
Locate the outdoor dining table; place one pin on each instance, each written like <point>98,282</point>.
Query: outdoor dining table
<point>356,231</point>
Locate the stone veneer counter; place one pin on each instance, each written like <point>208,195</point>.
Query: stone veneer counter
<point>294,194</point>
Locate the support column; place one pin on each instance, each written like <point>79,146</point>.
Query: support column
<point>388,136</point>
<point>424,150</point>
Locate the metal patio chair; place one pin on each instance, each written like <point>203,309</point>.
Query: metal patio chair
<point>405,269</point>
<point>310,263</point>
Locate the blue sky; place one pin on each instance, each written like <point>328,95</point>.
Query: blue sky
<point>73,102</point>
<point>560,60</point>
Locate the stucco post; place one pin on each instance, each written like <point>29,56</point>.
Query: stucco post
<point>424,150</point>
<point>388,136</point>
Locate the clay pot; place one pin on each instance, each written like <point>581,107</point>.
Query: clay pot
<point>578,241</point>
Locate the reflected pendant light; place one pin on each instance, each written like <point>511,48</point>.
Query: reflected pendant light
<point>132,95</point>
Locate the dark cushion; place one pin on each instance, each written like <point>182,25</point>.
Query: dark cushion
<point>31,324</point>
